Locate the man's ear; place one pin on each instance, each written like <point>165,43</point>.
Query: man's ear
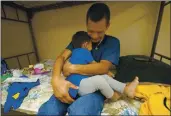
<point>108,25</point>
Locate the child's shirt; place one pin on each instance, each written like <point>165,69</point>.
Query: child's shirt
<point>79,56</point>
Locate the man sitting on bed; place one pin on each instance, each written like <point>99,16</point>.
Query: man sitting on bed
<point>105,51</point>
<point>81,54</point>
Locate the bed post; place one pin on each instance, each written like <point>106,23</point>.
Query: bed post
<point>157,29</point>
<point>30,16</point>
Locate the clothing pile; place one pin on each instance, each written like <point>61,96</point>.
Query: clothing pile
<point>17,91</point>
<point>22,81</point>
<point>36,69</point>
<point>156,99</point>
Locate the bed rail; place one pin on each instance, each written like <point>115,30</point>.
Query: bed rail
<point>162,56</point>
<point>17,57</point>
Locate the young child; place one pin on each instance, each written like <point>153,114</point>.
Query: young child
<point>88,84</point>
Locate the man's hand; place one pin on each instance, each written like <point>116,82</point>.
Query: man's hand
<point>60,87</point>
<point>67,68</point>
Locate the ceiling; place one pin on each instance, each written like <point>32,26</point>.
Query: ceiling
<point>31,4</point>
<point>36,6</point>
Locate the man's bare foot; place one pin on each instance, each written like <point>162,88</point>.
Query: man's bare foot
<point>116,96</point>
<point>131,87</point>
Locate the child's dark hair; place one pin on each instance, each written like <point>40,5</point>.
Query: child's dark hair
<point>79,38</point>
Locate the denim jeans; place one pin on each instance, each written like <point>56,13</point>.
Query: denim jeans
<point>90,104</point>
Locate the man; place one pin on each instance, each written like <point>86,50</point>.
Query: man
<point>106,52</point>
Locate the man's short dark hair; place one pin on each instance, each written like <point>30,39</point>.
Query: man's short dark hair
<point>97,12</point>
<point>79,38</point>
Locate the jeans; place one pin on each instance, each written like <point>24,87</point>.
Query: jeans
<point>90,104</point>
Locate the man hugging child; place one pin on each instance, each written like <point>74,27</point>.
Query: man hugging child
<point>88,84</point>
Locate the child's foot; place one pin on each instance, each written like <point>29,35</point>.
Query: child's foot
<point>131,87</point>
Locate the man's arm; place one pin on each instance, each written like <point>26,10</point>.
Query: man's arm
<point>109,72</point>
<point>90,69</point>
<point>109,57</point>
<point>59,84</point>
<point>57,68</point>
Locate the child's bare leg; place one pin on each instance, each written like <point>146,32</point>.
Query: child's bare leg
<point>130,88</point>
